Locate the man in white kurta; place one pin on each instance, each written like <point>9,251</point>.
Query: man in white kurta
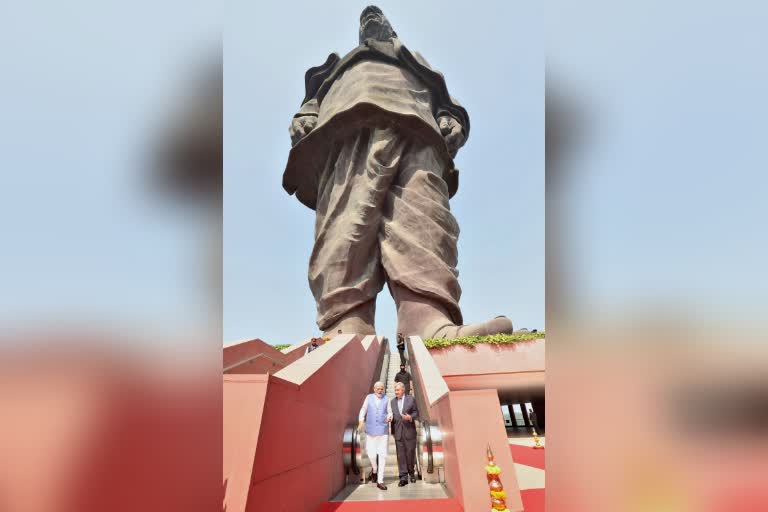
<point>375,416</point>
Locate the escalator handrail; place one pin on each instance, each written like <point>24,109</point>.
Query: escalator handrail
<point>418,451</point>
<point>353,458</point>
<point>430,462</point>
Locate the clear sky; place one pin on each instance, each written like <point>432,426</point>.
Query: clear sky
<point>86,237</point>
<point>665,196</point>
<point>665,200</point>
<point>493,61</point>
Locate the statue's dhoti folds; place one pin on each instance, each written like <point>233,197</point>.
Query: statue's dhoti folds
<point>382,216</point>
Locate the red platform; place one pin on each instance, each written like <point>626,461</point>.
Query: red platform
<point>533,500</point>
<point>527,455</point>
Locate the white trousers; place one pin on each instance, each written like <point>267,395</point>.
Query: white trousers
<point>377,445</point>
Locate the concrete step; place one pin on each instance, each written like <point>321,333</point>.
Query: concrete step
<point>391,448</point>
<point>390,470</point>
<point>390,473</point>
<point>391,459</point>
<point>418,497</point>
<point>391,438</point>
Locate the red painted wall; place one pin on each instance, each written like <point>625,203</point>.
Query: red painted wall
<point>476,422</point>
<point>243,404</point>
<point>470,420</point>
<point>272,360</point>
<point>516,367</point>
<point>297,459</point>
<point>486,358</point>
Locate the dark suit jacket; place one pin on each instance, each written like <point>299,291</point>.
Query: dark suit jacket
<point>405,378</point>
<point>402,429</point>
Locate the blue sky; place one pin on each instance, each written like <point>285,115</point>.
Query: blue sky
<point>87,239</point>
<point>493,61</point>
<point>664,201</point>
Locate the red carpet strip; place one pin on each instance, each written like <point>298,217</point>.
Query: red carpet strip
<point>533,500</point>
<point>527,456</point>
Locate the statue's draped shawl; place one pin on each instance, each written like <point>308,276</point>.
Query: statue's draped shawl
<point>348,111</point>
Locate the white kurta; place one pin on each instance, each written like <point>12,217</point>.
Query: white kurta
<point>377,445</point>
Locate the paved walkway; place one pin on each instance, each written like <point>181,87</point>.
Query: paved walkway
<point>369,492</point>
<point>529,468</point>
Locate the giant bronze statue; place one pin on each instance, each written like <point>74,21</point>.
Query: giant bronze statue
<point>373,148</point>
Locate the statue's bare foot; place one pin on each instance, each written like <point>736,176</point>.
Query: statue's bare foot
<point>498,325</point>
<point>419,315</point>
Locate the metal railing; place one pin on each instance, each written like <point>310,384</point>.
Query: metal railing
<point>351,452</point>
<point>431,447</point>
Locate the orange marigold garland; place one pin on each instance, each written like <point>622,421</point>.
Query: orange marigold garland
<point>498,496</point>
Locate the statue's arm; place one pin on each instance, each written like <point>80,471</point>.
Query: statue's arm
<point>305,120</point>
<point>453,127</point>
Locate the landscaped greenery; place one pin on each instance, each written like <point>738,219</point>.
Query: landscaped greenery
<point>281,347</point>
<point>494,339</point>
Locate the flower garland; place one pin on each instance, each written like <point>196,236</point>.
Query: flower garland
<point>498,496</point>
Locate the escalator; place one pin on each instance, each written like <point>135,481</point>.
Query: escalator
<point>429,460</point>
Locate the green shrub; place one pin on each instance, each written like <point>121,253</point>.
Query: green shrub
<point>494,339</point>
<point>281,347</point>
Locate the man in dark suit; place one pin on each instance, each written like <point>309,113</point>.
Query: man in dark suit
<point>404,377</point>
<point>404,414</point>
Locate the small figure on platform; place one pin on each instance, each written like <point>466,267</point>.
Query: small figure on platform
<point>404,377</point>
<point>401,348</point>
<point>404,415</point>
<point>375,414</point>
<point>312,345</point>
<point>534,421</point>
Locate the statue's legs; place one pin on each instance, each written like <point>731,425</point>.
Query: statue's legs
<point>418,242</point>
<point>383,213</point>
<point>345,272</point>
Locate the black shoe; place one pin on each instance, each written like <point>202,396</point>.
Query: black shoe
<point>372,477</point>
<point>413,479</point>
<point>382,487</point>
<point>402,483</point>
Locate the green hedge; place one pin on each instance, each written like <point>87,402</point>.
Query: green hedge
<point>494,339</point>
<point>281,347</point>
